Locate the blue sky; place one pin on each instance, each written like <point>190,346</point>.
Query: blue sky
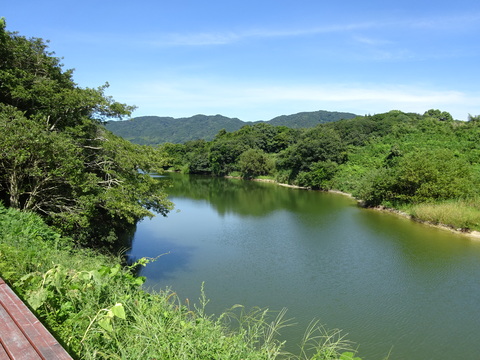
<point>259,59</point>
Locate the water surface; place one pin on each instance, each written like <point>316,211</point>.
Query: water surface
<point>391,284</point>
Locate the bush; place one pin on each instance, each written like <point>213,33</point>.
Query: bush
<point>254,162</point>
<point>320,175</point>
<point>435,174</point>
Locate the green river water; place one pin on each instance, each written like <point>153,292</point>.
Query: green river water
<point>392,285</point>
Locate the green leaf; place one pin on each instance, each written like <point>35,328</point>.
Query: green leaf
<point>140,280</point>
<point>118,310</point>
<point>37,298</point>
<point>84,275</point>
<point>106,323</point>
<point>114,270</point>
<point>349,356</point>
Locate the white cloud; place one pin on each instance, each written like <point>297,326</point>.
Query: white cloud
<point>255,101</point>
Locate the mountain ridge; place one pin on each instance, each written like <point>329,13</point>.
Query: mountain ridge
<point>152,130</point>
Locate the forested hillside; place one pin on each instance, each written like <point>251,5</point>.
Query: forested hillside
<point>154,130</point>
<point>427,165</point>
<point>309,119</point>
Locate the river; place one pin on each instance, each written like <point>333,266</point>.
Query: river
<point>392,285</point>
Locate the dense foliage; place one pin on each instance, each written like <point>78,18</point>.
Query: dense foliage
<point>309,119</point>
<point>153,130</point>
<point>394,159</point>
<point>56,157</point>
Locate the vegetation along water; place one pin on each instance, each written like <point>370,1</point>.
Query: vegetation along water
<point>72,193</point>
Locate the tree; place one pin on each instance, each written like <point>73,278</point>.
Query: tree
<point>317,145</point>
<point>33,175</point>
<point>56,157</point>
<point>424,175</point>
<point>197,156</point>
<point>254,162</point>
<point>439,115</point>
<point>474,119</point>
<point>431,174</point>
<point>319,176</point>
<point>224,154</point>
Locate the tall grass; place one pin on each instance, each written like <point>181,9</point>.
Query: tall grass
<point>98,309</point>
<point>458,214</point>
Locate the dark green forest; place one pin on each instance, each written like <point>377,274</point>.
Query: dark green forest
<point>425,164</point>
<point>154,130</point>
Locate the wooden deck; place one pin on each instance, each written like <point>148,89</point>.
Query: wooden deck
<point>22,335</point>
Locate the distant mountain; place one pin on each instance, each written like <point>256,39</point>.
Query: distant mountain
<point>309,119</point>
<point>152,130</point>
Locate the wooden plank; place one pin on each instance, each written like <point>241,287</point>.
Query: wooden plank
<point>14,342</point>
<point>3,353</point>
<point>22,335</point>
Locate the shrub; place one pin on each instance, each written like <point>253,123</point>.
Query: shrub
<point>254,162</point>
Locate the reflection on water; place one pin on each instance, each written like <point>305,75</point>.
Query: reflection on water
<point>391,284</point>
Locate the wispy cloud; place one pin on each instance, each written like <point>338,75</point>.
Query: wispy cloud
<point>446,22</point>
<point>371,41</point>
<point>197,39</point>
<point>228,37</point>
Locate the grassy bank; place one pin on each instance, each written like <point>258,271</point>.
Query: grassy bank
<point>98,309</point>
<point>461,215</point>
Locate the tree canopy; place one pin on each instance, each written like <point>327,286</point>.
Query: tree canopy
<point>56,157</point>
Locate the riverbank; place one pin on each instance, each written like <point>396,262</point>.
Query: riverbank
<point>282,184</point>
<point>470,233</point>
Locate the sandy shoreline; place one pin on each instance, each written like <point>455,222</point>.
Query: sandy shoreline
<point>281,184</point>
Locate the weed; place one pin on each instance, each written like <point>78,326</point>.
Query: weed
<point>459,214</point>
